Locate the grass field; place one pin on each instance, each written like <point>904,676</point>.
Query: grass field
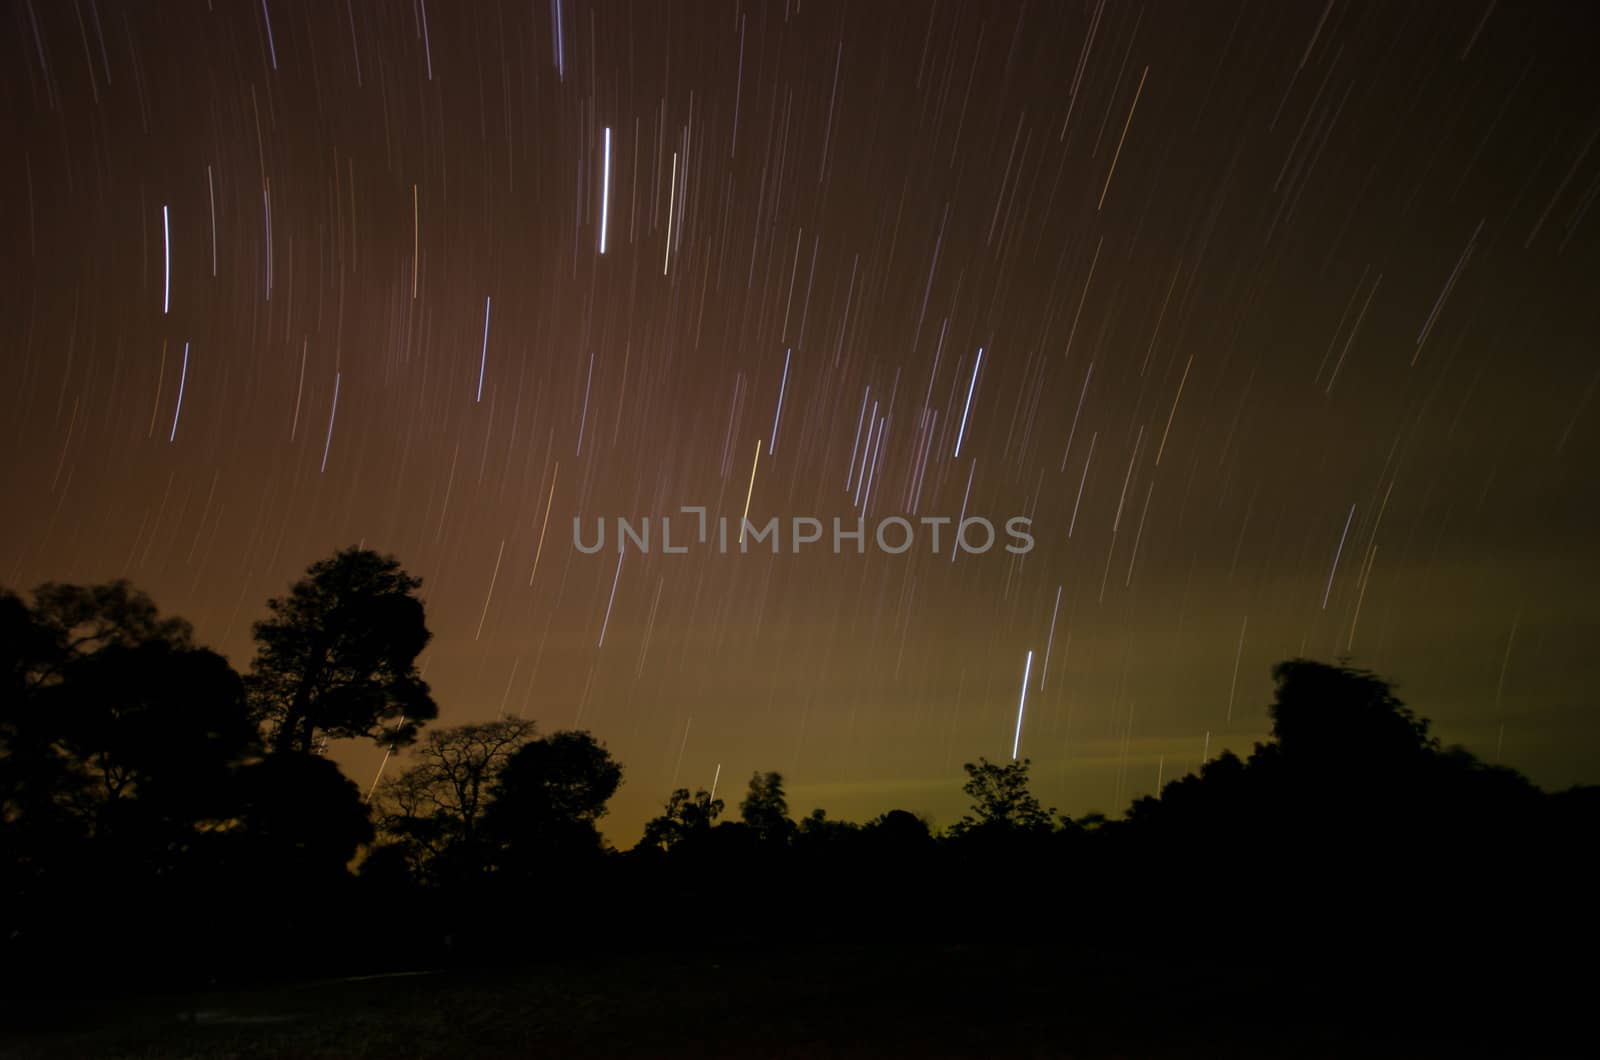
<point>800,1002</point>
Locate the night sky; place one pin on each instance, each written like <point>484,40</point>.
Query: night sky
<point>1288,316</point>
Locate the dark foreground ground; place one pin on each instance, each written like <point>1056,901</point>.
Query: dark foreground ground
<point>835,1001</point>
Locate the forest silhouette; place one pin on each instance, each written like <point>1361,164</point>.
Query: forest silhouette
<point>167,820</point>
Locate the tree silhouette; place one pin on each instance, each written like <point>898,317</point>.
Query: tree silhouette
<point>82,619</point>
<point>113,720</point>
<point>686,817</point>
<point>765,809</point>
<point>434,808</point>
<point>122,750</point>
<point>1350,777</point>
<point>157,732</point>
<point>549,796</point>
<point>1341,715</point>
<point>338,655</point>
<point>1001,800</point>
<point>287,855</point>
<point>303,814</point>
<point>414,829</point>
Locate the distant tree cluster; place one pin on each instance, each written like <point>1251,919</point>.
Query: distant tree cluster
<point>493,797</point>
<point>156,801</point>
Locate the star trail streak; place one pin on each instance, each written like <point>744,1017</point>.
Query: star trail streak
<point>166,263</point>
<point>177,409</point>
<point>483,355</point>
<point>1022,703</point>
<point>333,412</point>
<point>605,192</point>
<point>967,405</point>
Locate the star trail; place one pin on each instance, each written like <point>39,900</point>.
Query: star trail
<point>1277,321</point>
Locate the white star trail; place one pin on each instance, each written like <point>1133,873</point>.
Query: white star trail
<point>1022,703</point>
<point>962,433</point>
<point>183,379</point>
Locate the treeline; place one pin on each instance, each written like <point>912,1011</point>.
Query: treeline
<point>164,818</point>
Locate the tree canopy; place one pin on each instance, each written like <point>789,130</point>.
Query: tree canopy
<point>337,655</point>
<point>113,724</point>
<point>686,817</point>
<point>549,798</point>
<point>765,809</point>
<point>1001,799</point>
<point>434,809</point>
